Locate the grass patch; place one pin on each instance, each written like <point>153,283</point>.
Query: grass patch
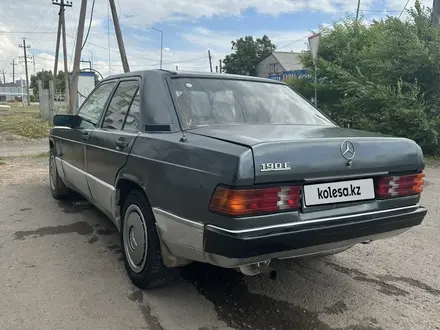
<point>29,125</point>
<point>2,161</point>
<point>41,155</point>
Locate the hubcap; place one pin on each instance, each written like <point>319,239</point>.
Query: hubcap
<point>135,238</point>
<point>52,172</point>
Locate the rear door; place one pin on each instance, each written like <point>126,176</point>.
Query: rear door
<point>108,147</point>
<point>74,140</point>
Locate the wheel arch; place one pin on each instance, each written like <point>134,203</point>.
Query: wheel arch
<point>124,184</point>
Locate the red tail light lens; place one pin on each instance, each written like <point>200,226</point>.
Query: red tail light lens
<point>395,186</point>
<point>240,202</point>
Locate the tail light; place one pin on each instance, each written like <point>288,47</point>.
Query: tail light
<point>241,202</point>
<point>395,186</point>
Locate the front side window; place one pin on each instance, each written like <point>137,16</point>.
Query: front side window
<point>207,101</point>
<point>93,107</point>
<point>119,105</point>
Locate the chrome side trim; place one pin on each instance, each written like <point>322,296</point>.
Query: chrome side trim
<point>107,149</point>
<point>300,223</point>
<point>73,167</point>
<point>344,177</point>
<point>63,138</point>
<point>102,193</point>
<point>171,216</point>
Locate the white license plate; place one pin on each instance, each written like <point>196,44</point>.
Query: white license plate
<point>339,192</point>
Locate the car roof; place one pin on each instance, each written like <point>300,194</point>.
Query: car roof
<point>192,74</point>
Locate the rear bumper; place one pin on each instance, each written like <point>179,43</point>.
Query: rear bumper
<point>233,248</point>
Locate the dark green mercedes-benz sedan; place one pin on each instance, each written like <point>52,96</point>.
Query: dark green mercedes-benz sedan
<point>229,170</point>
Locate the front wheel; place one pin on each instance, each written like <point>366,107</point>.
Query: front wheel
<point>57,186</point>
<point>140,244</point>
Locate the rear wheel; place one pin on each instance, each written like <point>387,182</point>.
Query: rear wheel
<point>57,186</point>
<point>140,244</point>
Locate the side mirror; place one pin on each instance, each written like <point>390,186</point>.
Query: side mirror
<point>64,120</point>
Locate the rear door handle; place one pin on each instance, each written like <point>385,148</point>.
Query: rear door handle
<point>121,143</point>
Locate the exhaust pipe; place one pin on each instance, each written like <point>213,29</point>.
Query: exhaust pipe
<point>259,268</point>
<point>267,270</point>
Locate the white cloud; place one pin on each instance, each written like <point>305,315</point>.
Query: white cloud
<point>137,14</point>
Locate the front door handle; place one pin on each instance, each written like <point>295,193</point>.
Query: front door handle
<point>121,143</point>
<point>85,136</point>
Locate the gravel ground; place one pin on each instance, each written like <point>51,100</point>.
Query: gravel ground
<point>61,268</point>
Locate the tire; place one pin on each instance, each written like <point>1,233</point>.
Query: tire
<point>57,187</point>
<point>140,244</point>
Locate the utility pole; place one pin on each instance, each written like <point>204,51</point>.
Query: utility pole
<point>435,12</point>
<point>77,58</point>
<point>3,72</point>
<point>33,62</point>
<point>119,36</point>
<point>62,31</point>
<point>210,59</point>
<point>357,11</point>
<point>24,46</point>
<point>220,66</point>
<point>13,70</point>
<point>161,43</point>
<point>57,46</point>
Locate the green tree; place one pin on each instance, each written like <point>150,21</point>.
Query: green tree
<point>382,77</point>
<point>45,76</point>
<point>246,53</point>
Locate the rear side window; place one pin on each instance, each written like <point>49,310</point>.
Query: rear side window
<point>119,105</point>
<point>132,119</point>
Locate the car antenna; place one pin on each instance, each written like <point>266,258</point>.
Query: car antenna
<point>183,138</point>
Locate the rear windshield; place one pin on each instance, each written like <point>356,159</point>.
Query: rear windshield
<point>207,101</point>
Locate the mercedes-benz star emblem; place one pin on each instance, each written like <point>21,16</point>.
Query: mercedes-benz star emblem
<point>347,150</point>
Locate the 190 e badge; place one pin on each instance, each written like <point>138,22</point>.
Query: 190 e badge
<point>268,167</point>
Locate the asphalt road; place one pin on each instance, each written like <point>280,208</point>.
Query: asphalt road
<point>61,268</point>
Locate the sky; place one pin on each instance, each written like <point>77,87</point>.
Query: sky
<point>190,28</point>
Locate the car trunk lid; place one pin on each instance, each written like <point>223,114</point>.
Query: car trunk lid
<point>286,153</point>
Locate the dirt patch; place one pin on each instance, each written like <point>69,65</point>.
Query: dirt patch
<point>23,170</point>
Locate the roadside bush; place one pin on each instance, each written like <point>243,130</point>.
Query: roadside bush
<point>382,77</point>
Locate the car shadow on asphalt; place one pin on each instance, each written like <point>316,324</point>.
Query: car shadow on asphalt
<point>226,289</point>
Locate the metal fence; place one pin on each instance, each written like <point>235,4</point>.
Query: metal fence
<point>51,102</point>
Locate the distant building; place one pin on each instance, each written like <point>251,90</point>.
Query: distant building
<point>11,91</point>
<point>280,66</point>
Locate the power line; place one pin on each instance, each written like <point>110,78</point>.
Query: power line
<point>42,34</point>
<point>108,37</point>
<point>40,19</point>
<point>404,7</point>
<point>90,25</point>
<point>74,37</point>
<point>24,32</point>
<point>298,40</point>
